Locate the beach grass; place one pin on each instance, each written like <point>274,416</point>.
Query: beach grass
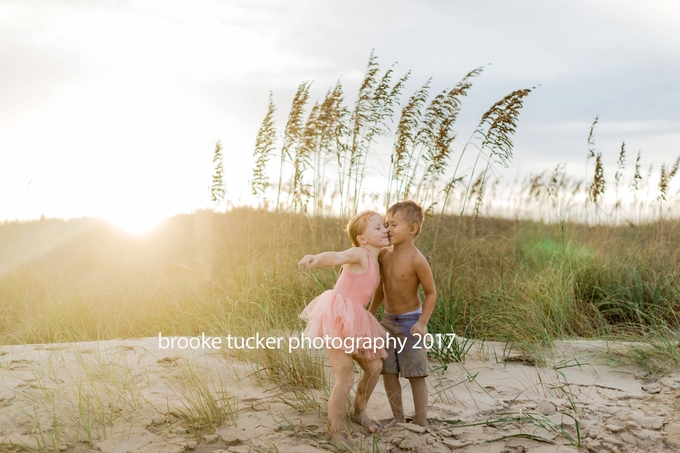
<point>222,274</point>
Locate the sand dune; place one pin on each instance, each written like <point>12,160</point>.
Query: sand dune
<point>130,396</point>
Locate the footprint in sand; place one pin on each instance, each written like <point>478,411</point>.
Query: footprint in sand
<point>127,348</point>
<point>20,363</point>
<point>49,348</point>
<point>168,360</point>
<point>6,401</point>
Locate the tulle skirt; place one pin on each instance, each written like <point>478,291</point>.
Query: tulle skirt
<point>346,325</point>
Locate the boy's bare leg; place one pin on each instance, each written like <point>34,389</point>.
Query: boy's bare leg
<point>419,389</point>
<point>393,390</point>
<point>343,370</point>
<point>367,382</point>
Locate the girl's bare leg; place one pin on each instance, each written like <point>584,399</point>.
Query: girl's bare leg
<point>343,370</point>
<point>367,382</point>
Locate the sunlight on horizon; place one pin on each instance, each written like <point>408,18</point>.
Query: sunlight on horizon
<point>135,223</point>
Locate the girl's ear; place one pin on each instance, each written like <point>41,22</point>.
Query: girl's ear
<point>361,240</point>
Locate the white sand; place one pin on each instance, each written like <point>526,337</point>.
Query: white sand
<point>127,396</point>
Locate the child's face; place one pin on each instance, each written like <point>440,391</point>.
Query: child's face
<point>398,228</point>
<point>376,233</point>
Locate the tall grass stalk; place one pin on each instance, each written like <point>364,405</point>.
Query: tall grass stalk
<point>264,146</point>
<point>292,134</point>
<point>405,139</point>
<point>217,189</point>
<point>590,155</point>
<point>374,106</point>
<point>620,166</point>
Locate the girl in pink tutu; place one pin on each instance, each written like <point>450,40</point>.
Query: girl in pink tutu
<point>340,317</point>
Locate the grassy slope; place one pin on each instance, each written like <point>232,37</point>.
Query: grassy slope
<point>235,273</point>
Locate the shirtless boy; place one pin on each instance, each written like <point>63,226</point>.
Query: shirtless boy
<point>405,316</point>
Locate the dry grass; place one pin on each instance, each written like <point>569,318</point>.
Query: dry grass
<point>205,402</point>
<point>516,281</point>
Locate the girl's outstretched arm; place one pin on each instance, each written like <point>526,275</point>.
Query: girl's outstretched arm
<point>353,255</point>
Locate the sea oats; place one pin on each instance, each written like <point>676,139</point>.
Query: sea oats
<point>597,188</point>
<point>264,146</point>
<point>308,145</point>
<point>405,138</point>
<point>591,139</point>
<point>591,154</point>
<point>293,132</point>
<point>620,166</point>
<point>666,178</point>
<point>217,189</point>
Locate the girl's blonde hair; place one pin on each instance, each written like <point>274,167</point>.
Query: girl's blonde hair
<point>357,225</point>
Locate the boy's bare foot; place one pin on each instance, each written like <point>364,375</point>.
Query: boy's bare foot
<point>366,422</point>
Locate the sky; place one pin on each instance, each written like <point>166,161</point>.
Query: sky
<point>112,108</point>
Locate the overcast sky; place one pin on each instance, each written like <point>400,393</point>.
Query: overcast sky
<point>112,108</point>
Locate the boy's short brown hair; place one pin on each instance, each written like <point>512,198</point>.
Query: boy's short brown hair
<point>357,225</point>
<point>410,211</point>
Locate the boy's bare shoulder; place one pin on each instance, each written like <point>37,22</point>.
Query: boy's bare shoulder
<point>420,254</point>
<point>419,259</point>
<point>413,259</point>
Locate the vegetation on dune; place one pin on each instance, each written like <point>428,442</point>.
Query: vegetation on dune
<point>508,280</point>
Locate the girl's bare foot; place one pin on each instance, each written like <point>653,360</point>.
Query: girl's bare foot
<point>341,439</point>
<point>366,422</point>
<point>335,433</point>
<point>392,423</point>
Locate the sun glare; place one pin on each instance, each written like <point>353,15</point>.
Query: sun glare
<point>135,224</point>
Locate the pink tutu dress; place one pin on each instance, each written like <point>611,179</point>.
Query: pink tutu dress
<point>341,313</point>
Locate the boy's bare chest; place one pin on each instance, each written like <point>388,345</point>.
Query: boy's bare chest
<point>397,270</point>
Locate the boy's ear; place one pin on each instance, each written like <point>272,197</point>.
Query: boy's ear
<point>414,228</point>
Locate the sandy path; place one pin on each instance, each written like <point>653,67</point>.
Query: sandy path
<point>130,396</point>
